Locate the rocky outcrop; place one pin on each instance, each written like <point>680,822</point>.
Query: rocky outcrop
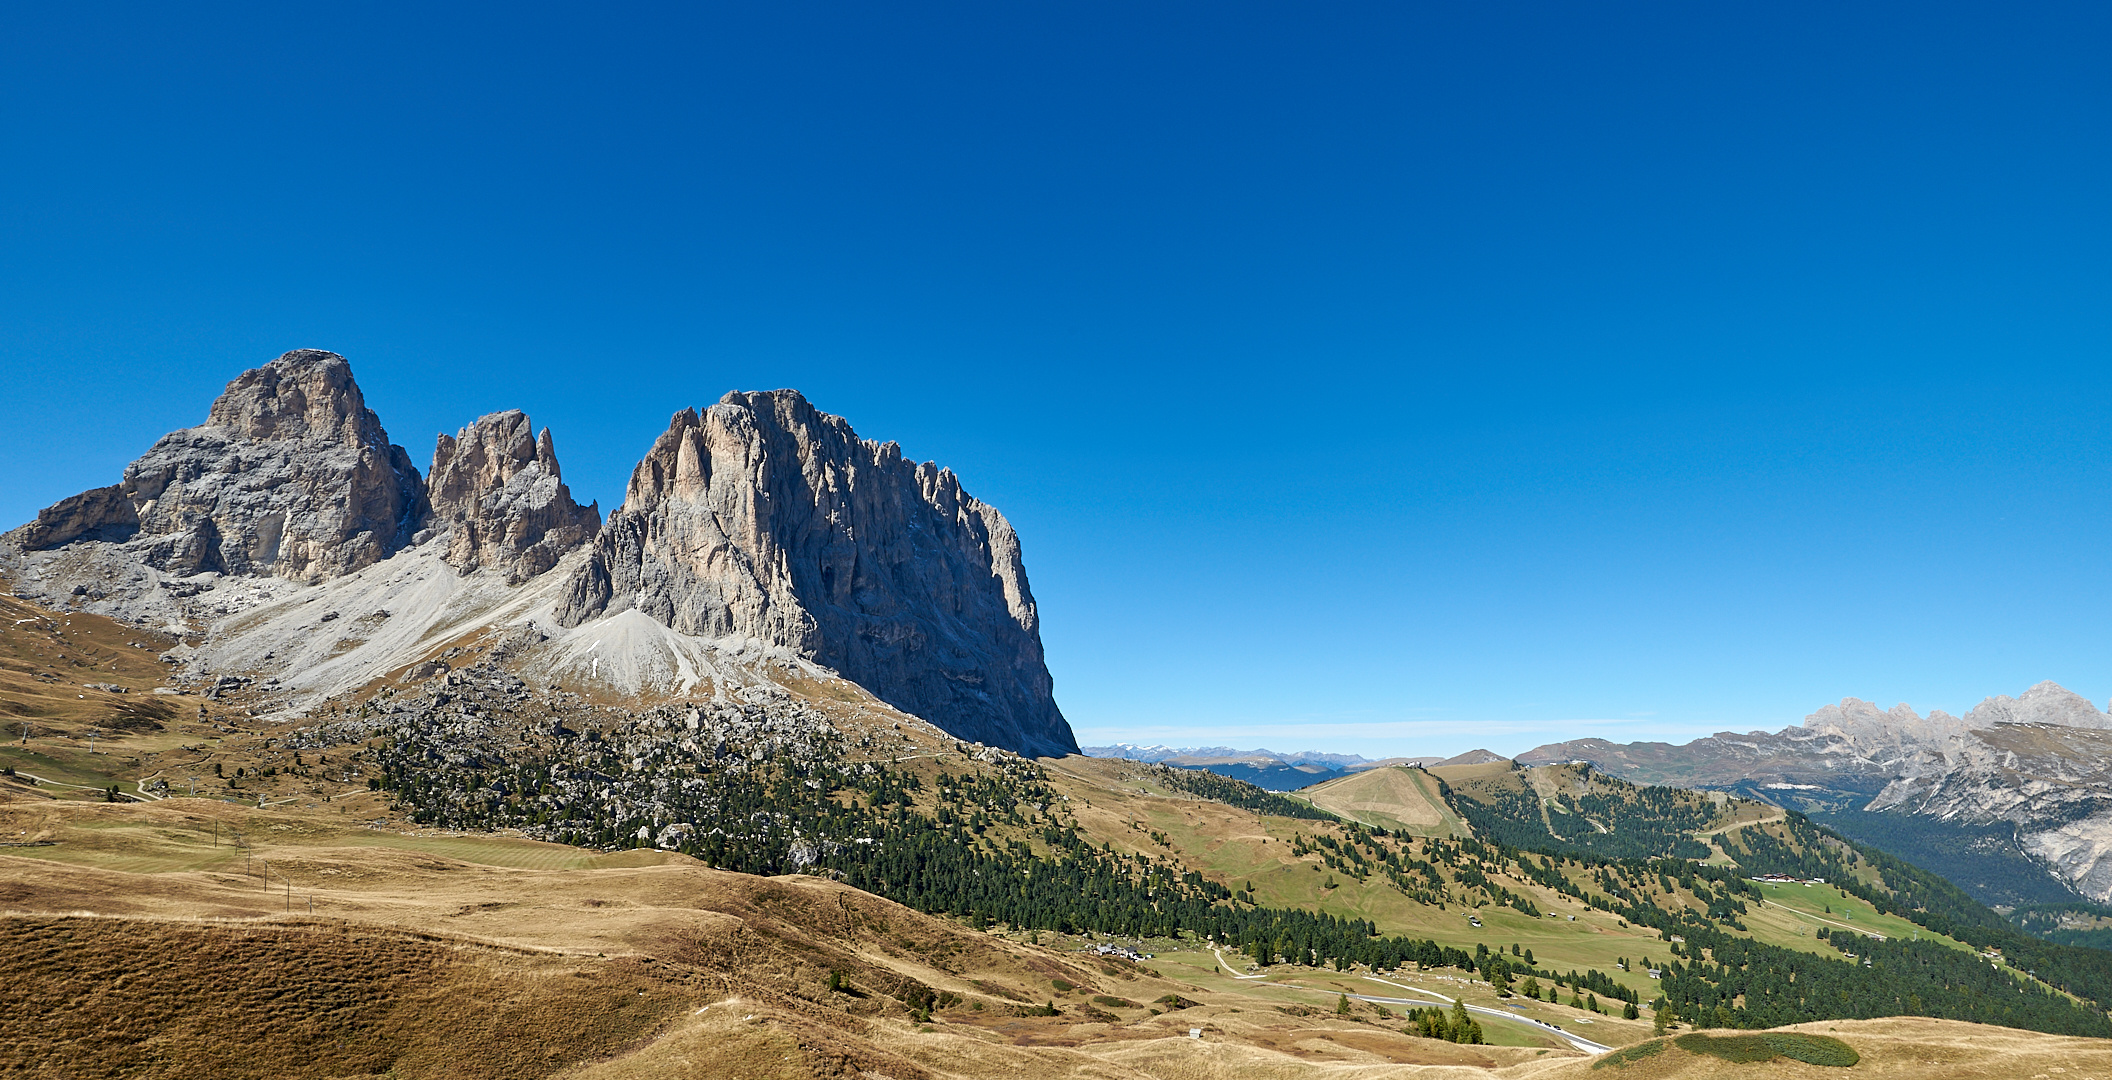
<point>103,513</point>
<point>290,476</point>
<point>499,500</point>
<point>1875,732</point>
<point>764,518</point>
<point>2046,703</point>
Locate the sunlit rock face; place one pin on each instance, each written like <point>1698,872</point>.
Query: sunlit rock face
<point>290,476</point>
<point>762,517</point>
<point>759,529</point>
<point>500,501</point>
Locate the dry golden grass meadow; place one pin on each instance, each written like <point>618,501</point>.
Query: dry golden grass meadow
<point>317,936</point>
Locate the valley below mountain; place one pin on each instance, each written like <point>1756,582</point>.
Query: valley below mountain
<point>323,767</point>
<point>799,880</point>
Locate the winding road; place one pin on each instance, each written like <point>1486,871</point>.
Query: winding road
<point>142,797</point>
<point>1578,1041</point>
<point>1229,969</point>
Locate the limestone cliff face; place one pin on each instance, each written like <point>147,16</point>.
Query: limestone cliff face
<point>1881,733</point>
<point>290,476</point>
<point>762,517</point>
<point>499,499</point>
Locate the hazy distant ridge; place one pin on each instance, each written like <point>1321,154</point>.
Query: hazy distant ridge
<point>1157,754</point>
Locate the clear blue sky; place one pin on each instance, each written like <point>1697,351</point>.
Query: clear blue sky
<point>1380,377</point>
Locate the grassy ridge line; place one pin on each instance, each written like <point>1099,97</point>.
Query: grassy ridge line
<point>1728,979</point>
<point>1209,785</point>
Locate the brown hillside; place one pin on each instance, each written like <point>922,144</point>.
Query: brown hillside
<point>438,955</point>
<point>1906,1048</point>
<point>1401,799</point>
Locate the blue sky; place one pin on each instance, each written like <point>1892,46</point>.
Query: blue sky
<point>1391,378</point>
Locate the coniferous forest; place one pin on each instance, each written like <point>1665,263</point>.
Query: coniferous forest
<point>992,842</point>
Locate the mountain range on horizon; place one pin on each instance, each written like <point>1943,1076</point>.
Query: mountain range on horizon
<point>1160,753</point>
<point>2012,801</point>
<point>1274,771</point>
<point>298,550</point>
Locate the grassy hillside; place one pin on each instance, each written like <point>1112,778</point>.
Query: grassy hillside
<point>1399,799</point>
<point>1545,894</point>
<point>290,942</point>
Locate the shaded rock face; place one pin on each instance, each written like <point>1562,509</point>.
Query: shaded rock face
<point>497,495</point>
<point>763,517</point>
<point>290,476</point>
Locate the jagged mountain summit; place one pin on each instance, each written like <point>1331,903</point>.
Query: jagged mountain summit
<point>762,517</point>
<point>2017,791</point>
<point>291,475</point>
<point>497,492</point>
<point>760,538</point>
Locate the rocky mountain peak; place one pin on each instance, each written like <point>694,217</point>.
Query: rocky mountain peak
<point>1863,724</point>
<point>759,526</point>
<point>290,476</point>
<point>498,496</point>
<point>304,394</point>
<point>1871,729</point>
<point>2046,703</point>
<point>764,518</point>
